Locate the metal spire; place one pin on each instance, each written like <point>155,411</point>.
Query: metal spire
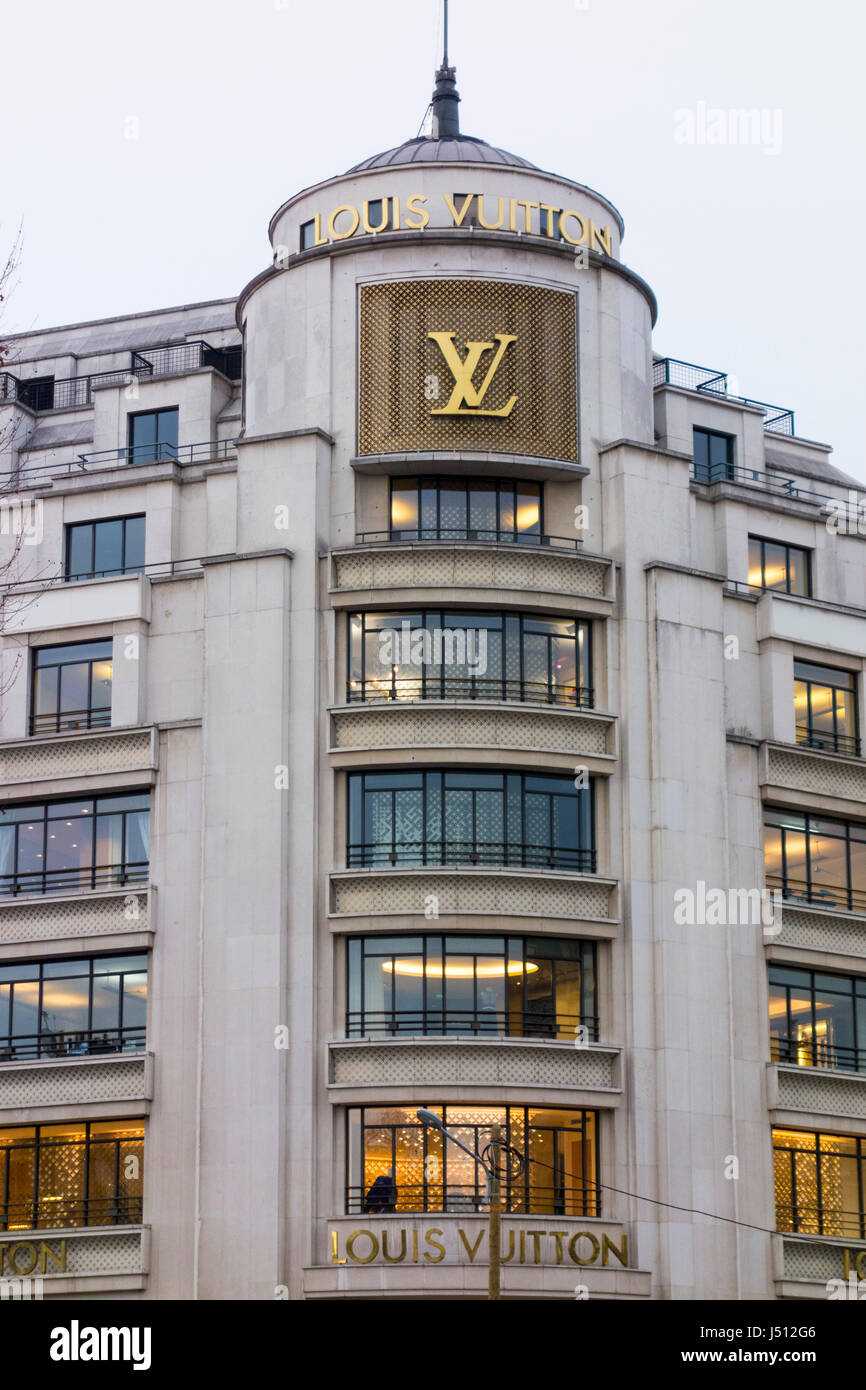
<point>446,117</point>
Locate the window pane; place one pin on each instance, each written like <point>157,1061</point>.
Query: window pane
<point>799,571</point>
<point>775,566</point>
<point>404,505</point>
<point>80,550</point>
<point>755,571</point>
<point>134,553</point>
<point>166,432</point>
<point>108,547</point>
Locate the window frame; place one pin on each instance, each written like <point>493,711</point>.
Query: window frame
<point>800,1222</point>
<point>431,482</point>
<point>818,738</point>
<point>92,573</point>
<point>855,898</point>
<point>781,1053</point>
<point>158,445</point>
<point>84,876</point>
<point>787,546</point>
<point>82,1041</point>
<point>59,716</point>
<point>41,1145</point>
<point>713,472</point>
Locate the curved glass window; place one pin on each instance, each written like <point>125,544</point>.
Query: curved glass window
<point>466,509</point>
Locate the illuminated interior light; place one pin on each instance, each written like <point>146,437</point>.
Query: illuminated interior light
<point>458,972</point>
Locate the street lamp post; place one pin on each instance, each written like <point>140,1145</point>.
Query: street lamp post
<point>494,1198</point>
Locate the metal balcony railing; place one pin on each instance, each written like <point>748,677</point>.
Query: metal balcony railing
<point>172,359</point>
<point>828,742</point>
<point>669,371</point>
<point>435,686</point>
<point>72,880</point>
<point>798,890</point>
<point>71,1043</point>
<point>412,853</point>
<point>57,1213</point>
<point>769,482</point>
<point>826,1220</point>
<point>480,1022</point>
<point>817,1052</point>
<point>573,1198</point>
<point>206,451</point>
<point>70,721</point>
<point>438,534</point>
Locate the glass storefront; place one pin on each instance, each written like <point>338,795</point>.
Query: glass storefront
<point>820,1183</point>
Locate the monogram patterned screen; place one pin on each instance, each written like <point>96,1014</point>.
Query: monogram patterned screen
<point>481,365</point>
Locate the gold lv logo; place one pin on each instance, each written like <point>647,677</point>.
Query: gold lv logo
<point>465,398</point>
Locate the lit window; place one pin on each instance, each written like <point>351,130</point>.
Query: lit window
<point>820,1183</point>
<point>773,565</point>
<point>71,687</point>
<point>825,708</point>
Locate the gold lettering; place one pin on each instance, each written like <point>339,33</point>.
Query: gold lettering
<point>527,207</point>
<point>510,1256</point>
<point>512,215</point>
<point>458,217</point>
<point>13,1264</point>
<point>536,1243</point>
<point>621,1253</point>
<point>465,399</point>
<point>471,1250</point>
<point>558,1237</point>
<point>394,1259</point>
<point>858,1264</point>
<point>317,228</point>
<point>385,203</point>
<point>436,1244</point>
<point>47,1254</point>
<point>565,235</point>
<point>522,1247</point>
<point>332,222</point>
<point>420,212</point>
<point>572,1248</point>
<point>415,1244</point>
<point>601,235</point>
<point>545,207</point>
<point>491,226</point>
<point>350,1247</point>
<point>395,221</point>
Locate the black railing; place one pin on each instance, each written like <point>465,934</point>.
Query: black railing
<point>72,880</point>
<point>799,890</point>
<point>56,1214</point>
<point>821,1220</point>
<point>71,1043</point>
<point>66,721</point>
<point>558,1199</point>
<point>408,535</point>
<point>511,1023</point>
<point>411,853</point>
<point>817,1052</point>
<point>206,451</point>
<point>668,371</point>
<point>171,359</point>
<point>768,482</point>
<point>828,742</point>
<point>442,687</point>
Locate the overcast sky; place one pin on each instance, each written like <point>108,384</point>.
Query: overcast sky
<point>753,249</point>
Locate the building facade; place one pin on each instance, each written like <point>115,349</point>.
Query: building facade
<point>451,703</point>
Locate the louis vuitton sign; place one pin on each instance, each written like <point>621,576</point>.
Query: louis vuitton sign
<point>467,364</point>
<point>540,1243</point>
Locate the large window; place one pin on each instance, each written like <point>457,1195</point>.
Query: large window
<point>815,859</point>
<point>466,509</point>
<point>73,1007</point>
<point>528,987</point>
<point>475,656</point>
<point>776,566</point>
<point>443,817</point>
<point>79,1174</point>
<point>95,549</point>
<point>713,455</point>
<point>71,687</point>
<point>64,846</point>
<point>817,1020</point>
<point>397,1164</point>
<point>820,1183</point>
<point>825,708</point>
<point>153,436</point>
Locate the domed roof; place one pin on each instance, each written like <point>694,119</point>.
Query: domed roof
<point>459,149</point>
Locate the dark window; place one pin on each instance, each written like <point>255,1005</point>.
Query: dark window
<point>490,986</point>
<point>466,509</point>
<point>472,817</point>
<point>71,687</point>
<point>773,565</point>
<point>397,1164</point>
<point>95,549</point>
<point>153,436</point>
<point>825,708</point>
<point>75,1174</point>
<point>483,656</point>
<point>65,846</point>
<point>86,1005</point>
<point>37,393</point>
<point>816,1019</point>
<point>308,235</point>
<point>815,859</point>
<point>713,455</point>
<point>820,1183</point>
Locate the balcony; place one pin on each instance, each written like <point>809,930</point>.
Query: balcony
<point>467,570</point>
<point>115,918</point>
<point>809,1096</point>
<point>668,371</point>
<point>798,774</point>
<point>207,451</point>
<point>94,1084</point>
<point>76,1261</point>
<point>56,758</point>
<point>803,1266</point>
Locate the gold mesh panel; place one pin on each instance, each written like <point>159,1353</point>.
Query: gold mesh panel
<point>527,370</point>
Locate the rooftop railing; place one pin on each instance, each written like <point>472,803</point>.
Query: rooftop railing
<point>770,482</point>
<point>669,371</point>
<point>172,359</point>
<point>205,451</point>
